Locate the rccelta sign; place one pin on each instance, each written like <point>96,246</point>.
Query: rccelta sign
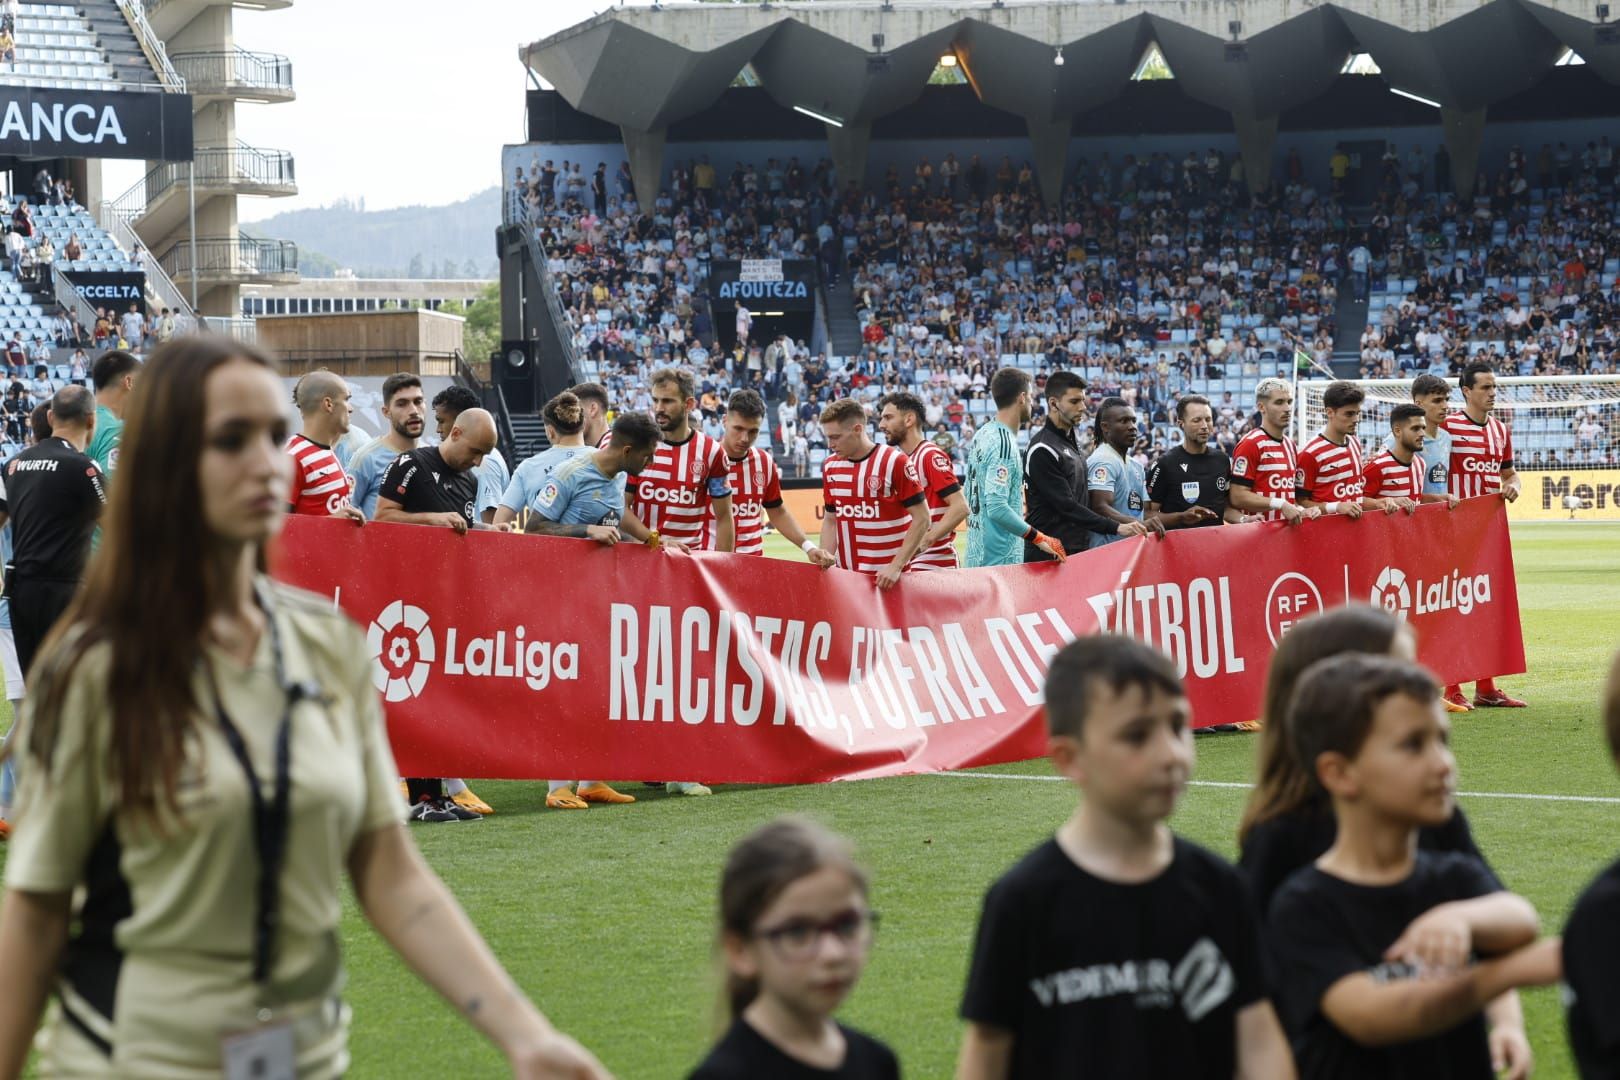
<point>36,122</point>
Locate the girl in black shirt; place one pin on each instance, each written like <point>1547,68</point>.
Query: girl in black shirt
<point>1288,823</point>
<point>795,930</point>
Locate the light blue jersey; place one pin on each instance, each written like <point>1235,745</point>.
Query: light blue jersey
<point>493,476</point>
<point>994,489</point>
<point>1122,478</point>
<point>532,473</point>
<point>366,468</point>
<point>1436,455</point>
<point>578,494</point>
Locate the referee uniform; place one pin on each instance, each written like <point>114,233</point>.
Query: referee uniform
<point>53,496</point>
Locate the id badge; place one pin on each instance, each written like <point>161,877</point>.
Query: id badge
<point>267,1052</point>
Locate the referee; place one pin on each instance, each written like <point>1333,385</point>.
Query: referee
<point>1187,486</point>
<point>52,497</point>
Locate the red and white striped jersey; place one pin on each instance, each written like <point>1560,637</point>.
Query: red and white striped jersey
<point>320,486</point>
<point>1479,453</point>
<point>756,486</point>
<point>1330,472</point>
<point>933,468</point>
<point>868,502</point>
<point>673,495</point>
<point>1269,466</point>
<point>1386,478</point>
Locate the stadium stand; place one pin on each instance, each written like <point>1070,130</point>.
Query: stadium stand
<point>58,46</point>
<point>1155,279</point>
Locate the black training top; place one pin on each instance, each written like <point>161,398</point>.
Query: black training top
<point>53,495</point>
<point>745,1054</point>
<point>422,483</point>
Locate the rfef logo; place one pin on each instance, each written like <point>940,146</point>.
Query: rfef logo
<point>402,650</point>
<point>1293,596</point>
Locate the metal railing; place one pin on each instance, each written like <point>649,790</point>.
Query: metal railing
<point>71,300</point>
<point>117,218</point>
<point>223,166</point>
<point>235,68</point>
<point>152,45</point>
<point>245,256</point>
<point>517,214</point>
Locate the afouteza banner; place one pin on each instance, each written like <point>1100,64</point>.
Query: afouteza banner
<point>527,657</point>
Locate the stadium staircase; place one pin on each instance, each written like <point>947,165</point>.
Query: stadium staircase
<point>89,45</point>
<point>528,437</point>
<point>843,327</point>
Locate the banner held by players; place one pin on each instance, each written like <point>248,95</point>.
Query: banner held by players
<point>524,657</point>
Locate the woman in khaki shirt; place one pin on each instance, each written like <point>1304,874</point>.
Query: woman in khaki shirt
<point>204,756</point>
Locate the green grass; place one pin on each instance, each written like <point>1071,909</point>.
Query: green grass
<point>605,917</point>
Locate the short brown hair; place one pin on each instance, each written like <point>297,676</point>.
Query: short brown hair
<point>1336,699</point>
<point>906,401</point>
<point>590,391</point>
<point>1428,385</point>
<point>1006,384</point>
<point>392,385</point>
<point>1111,660</point>
<point>747,404</point>
<point>679,376</point>
<point>844,411</point>
<point>1341,394</point>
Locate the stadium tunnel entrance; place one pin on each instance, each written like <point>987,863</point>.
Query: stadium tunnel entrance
<point>764,326</point>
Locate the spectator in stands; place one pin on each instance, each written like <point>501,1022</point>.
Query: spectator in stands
<point>165,328</point>
<point>79,366</point>
<point>17,408</point>
<point>41,352</point>
<point>16,355</point>
<point>104,328</point>
<point>15,246</point>
<point>74,251</point>
<point>8,16</point>
<point>8,48</point>
<point>22,219</point>
<point>42,183</point>
<point>132,327</point>
<point>28,266</point>
<point>62,329</point>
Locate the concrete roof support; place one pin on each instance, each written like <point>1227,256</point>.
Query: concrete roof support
<point>1257,140</point>
<point>1051,141</point>
<point>645,150</point>
<point>847,147</point>
<point>1464,130</point>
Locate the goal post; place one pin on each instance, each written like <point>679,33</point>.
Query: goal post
<point>1566,436</point>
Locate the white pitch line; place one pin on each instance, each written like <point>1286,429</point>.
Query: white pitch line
<point>1602,800</point>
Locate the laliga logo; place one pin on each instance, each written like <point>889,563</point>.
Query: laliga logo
<point>397,637</point>
<point>1390,592</point>
<point>403,652</point>
<point>1457,590</point>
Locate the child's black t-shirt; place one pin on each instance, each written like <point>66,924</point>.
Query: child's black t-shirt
<point>745,1054</point>
<point>1323,928</point>
<point>1095,978</point>
<point>1591,944</point>
<point>1274,849</point>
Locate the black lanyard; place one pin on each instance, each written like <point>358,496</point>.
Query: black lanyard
<point>271,820</point>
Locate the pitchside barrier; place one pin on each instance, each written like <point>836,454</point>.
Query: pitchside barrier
<point>522,657</point>
<point>1568,495</point>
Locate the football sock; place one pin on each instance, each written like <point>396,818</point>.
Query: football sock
<point>557,785</point>
<point>454,787</point>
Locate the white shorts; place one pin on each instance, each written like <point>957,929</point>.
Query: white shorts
<point>8,657</point>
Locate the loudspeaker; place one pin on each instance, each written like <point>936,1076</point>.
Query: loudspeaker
<point>514,371</point>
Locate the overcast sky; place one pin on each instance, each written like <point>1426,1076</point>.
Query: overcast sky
<point>412,108</point>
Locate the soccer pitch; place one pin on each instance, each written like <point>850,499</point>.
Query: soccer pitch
<point>605,917</point>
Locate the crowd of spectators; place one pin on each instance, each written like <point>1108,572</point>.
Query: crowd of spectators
<point>1153,276</point>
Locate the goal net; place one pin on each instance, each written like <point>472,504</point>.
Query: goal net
<point>1566,436</point>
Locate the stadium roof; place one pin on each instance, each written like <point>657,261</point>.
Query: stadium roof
<point>1048,60</point>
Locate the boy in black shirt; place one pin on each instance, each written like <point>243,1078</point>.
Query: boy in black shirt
<point>1376,943</point>
<point>1117,949</point>
<point>1591,946</point>
<point>1187,487</point>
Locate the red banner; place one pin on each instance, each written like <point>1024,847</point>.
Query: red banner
<point>530,657</point>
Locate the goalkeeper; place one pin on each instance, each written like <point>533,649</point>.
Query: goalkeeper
<point>995,481</point>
